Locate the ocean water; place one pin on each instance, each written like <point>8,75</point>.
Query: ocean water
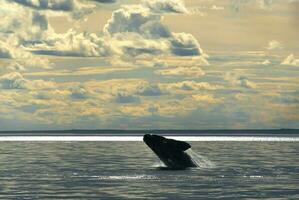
<point>130,170</point>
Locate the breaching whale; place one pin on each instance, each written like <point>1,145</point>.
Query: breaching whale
<point>171,152</point>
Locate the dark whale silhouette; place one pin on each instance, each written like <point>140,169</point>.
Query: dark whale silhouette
<point>171,152</point>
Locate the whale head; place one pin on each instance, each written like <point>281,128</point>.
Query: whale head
<point>159,143</point>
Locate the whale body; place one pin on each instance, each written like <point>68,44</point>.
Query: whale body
<point>171,152</point>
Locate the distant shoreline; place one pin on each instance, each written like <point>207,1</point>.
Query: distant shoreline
<point>116,132</point>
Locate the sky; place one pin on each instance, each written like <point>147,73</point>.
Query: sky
<point>149,64</point>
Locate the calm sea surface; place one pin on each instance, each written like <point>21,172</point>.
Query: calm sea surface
<point>128,170</point>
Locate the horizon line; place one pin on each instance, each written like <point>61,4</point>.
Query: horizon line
<point>148,130</point>
<point>154,129</point>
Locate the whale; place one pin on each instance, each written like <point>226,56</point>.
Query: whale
<point>171,152</point>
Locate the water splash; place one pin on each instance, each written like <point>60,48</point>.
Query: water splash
<point>199,160</point>
<point>159,164</point>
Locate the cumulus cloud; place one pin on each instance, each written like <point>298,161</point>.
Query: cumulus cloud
<point>135,110</point>
<point>274,45</point>
<point>214,7</point>
<point>25,30</point>
<point>132,45</point>
<point>240,80</point>
<point>149,90</point>
<point>290,60</point>
<point>5,50</point>
<point>105,1</point>
<point>20,27</point>
<point>132,18</point>
<point>237,5</point>
<point>181,71</point>
<point>73,44</point>
<point>136,30</point>
<point>15,66</point>
<point>184,44</point>
<point>205,98</point>
<point>125,97</point>
<point>264,3</point>
<point>29,31</point>
<point>63,5</point>
<point>168,108</point>
<point>266,62</point>
<point>75,8</point>
<point>13,81</point>
<point>192,85</point>
<point>16,80</point>
<point>132,31</point>
<point>171,6</point>
<point>244,82</point>
<point>9,50</point>
<point>23,59</point>
<point>78,92</point>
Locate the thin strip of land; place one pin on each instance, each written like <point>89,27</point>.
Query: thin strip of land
<point>116,132</point>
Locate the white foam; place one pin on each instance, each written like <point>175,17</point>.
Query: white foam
<point>128,177</point>
<point>159,164</point>
<point>139,138</point>
<point>199,160</point>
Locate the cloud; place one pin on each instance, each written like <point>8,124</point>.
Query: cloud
<point>125,97</point>
<point>25,30</point>
<point>237,5</point>
<point>16,80</point>
<point>24,59</point>
<point>192,85</point>
<point>6,51</point>
<point>266,62</point>
<point>290,60</point>
<point>149,90</point>
<point>274,45</point>
<point>73,44</point>
<point>105,1</point>
<point>135,110</point>
<point>131,46</point>
<point>181,71</point>
<point>74,7</point>
<point>9,50</point>
<point>78,92</point>
<point>168,108</point>
<point>13,81</point>
<point>135,30</point>
<point>15,66</point>
<point>134,18</point>
<point>184,44</point>
<point>244,82</point>
<point>205,98</point>
<point>20,27</point>
<point>241,81</point>
<point>162,6</point>
<point>60,5</point>
<point>214,7</point>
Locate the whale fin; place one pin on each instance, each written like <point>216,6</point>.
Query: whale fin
<point>179,145</point>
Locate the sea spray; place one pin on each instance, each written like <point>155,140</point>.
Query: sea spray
<point>199,160</point>
<point>159,164</point>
